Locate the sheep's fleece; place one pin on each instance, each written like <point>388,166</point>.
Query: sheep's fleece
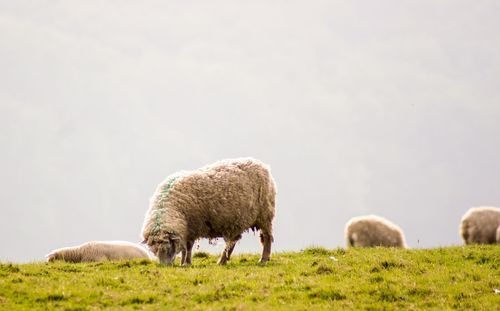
<point>367,231</point>
<point>98,251</point>
<point>223,199</point>
<point>479,225</point>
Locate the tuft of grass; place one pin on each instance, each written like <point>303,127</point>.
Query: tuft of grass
<point>327,295</point>
<point>315,278</point>
<point>324,269</point>
<point>139,300</point>
<point>316,250</point>
<point>51,297</point>
<point>201,255</point>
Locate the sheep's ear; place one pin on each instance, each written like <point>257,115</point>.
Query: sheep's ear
<point>144,241</point>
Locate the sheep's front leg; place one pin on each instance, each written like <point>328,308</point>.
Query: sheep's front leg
<point>183,257</point>
<point>226,254</point>
<point>187,254</point>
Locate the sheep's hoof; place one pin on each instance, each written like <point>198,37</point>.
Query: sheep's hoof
<point>263,261</point>
<point>222,261</point>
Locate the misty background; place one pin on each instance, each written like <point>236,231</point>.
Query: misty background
<point>389,108</point>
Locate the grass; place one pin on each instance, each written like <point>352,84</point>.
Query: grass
<point>315,278</point>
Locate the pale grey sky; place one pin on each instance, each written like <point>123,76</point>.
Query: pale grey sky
<point>360,107</point>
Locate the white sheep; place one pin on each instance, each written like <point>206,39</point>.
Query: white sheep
<point>371,230</point>
<point>98,251</point>
<point>479,225</point>
<point>220,200</point>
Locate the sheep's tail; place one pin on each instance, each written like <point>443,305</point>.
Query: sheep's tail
<point>464,231</point>
<point>351,239</point>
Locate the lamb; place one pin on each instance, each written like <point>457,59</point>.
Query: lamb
<point>479,225</point>
<point>223,199</point>
<point>98,251</point>
<point>367,231</point>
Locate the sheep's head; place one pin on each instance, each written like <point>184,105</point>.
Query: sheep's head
<point>69,254</point>
<point>165,248</point>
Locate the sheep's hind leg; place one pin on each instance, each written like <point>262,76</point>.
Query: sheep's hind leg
<point>231,249</point>
<point>226,254</point>
<point>266,239</point>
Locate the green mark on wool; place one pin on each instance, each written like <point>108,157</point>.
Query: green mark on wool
<point>160,208</point>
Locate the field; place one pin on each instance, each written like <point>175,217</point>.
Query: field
<point>313,279</point>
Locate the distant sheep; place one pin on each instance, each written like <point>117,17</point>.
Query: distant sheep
<point>220,200</point>
<point>367,231</point>
<point>498,235</point>
<point>98,251</point>
<point>480,225</point>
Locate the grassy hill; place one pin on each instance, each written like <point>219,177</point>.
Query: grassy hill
<point>316,278</point>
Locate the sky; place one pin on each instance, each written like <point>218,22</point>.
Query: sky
<point>360,107</point>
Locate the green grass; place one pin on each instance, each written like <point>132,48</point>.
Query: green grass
<point>372,279</point>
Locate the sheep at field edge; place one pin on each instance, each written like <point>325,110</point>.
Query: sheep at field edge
<point>223,199</point>
<point>498,235</point>
<point>98,251</point>
<point>479,225</point>
<point>371,230</point>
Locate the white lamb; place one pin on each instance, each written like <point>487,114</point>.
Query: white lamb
<point>98,251</point>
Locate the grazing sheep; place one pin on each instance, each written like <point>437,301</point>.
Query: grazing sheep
<point>367,231</point>
<point>223,199</point>
<point>479,225</point>
<point>98,251</point>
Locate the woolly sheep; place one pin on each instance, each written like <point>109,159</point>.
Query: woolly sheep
<point>479,225</point>
<point>367,231</point>
<point>223,199</point>
<point>98,251</point>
